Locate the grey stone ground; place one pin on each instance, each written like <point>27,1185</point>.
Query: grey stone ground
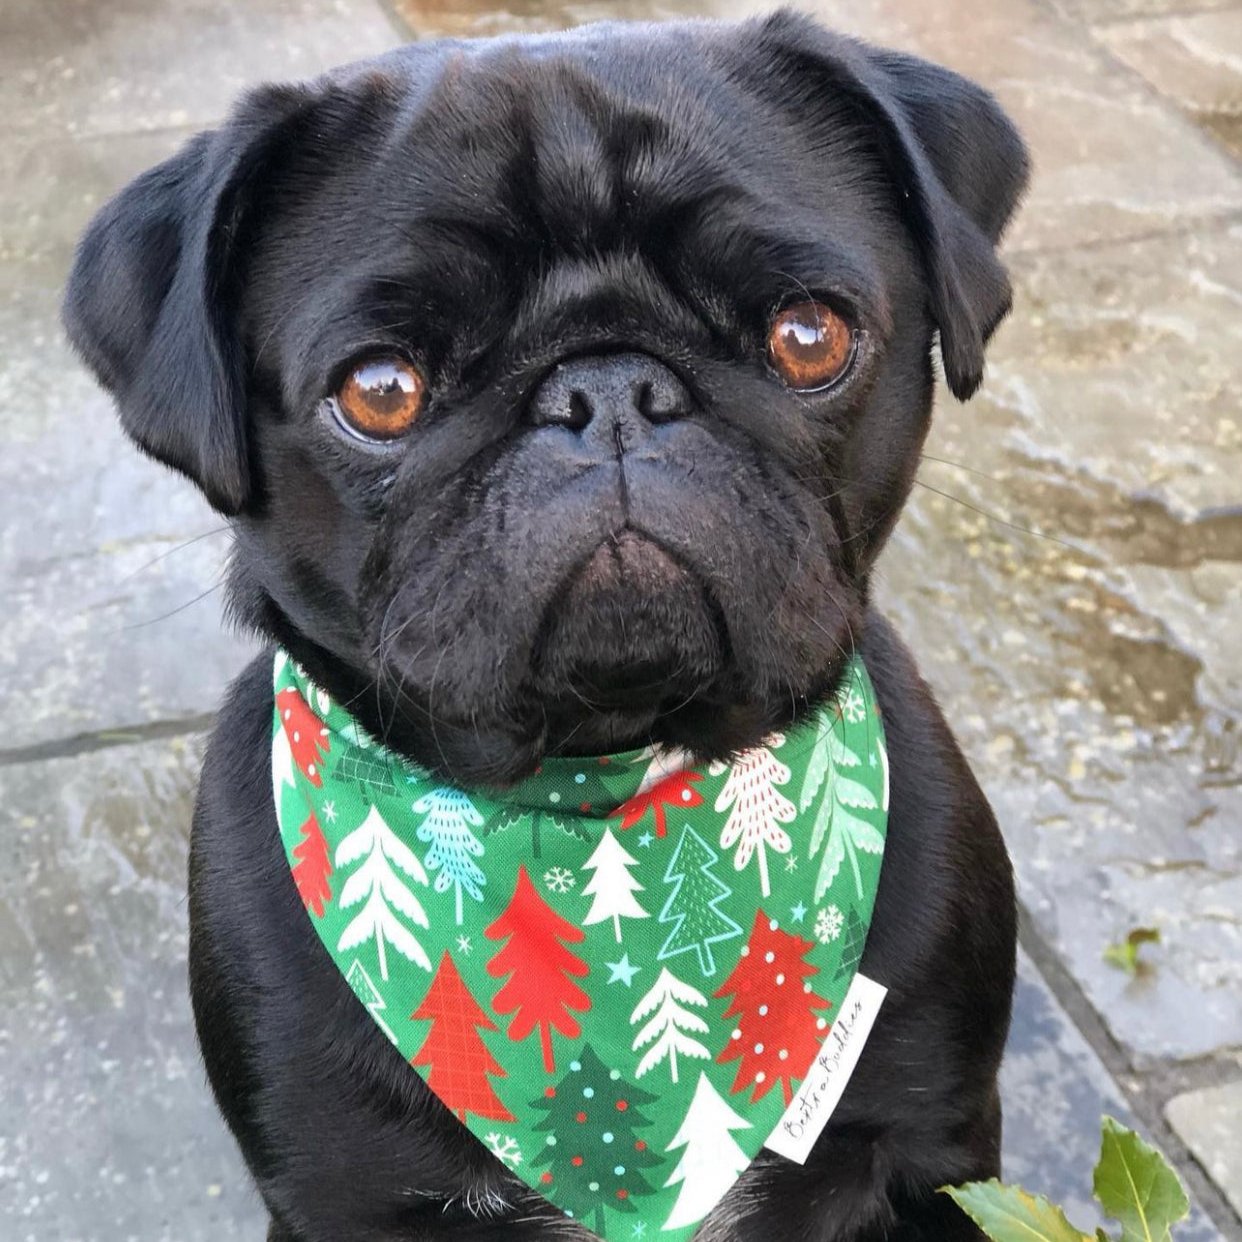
<point>1096,678</point>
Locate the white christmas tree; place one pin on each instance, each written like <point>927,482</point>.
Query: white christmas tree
<point>449,817</point>
<point>712,1161</point>
<point>759,808</point>
<point>612,886</point>
<point>669,1021</point>
<point>377,883</point>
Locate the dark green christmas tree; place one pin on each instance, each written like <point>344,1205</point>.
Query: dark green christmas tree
<point>852,945</point>
<point>594,789</point>
<point>593,1155</point>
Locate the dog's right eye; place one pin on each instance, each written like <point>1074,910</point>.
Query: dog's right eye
<point>810,346</point>
<point>380,399</point>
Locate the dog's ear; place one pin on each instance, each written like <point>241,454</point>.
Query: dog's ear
<point>958,163</point>
<point>151,299</point>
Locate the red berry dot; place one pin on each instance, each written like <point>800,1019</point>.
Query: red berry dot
<point>584,806</point>
<point>622,1105</point>
<point>546,1178</point>
<point>604,760</point>
<point>580,1117</point>
<point>623,1194</point>
<point>640,1146</point>
<point>550,1093</point>
<point>576,1162</point>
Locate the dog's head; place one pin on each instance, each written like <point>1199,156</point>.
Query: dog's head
<point>562,390</point>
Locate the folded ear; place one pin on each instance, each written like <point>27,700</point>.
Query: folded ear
<point>151,300</point>
<point>957,161</point>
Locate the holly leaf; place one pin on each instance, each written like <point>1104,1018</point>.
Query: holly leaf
<point>1125,954</point>
<point>1011,1214</point>
<point>1136,1186</point>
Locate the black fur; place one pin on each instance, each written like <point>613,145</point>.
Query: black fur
<point>616,213</point>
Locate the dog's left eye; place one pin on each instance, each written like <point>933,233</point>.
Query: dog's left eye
<point>810,346</point>
<point>381,399</point>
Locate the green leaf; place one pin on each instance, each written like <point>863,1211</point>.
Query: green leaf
<point>1010,1214</point>
<point>1124,955</point>
<point>1136,1186</point>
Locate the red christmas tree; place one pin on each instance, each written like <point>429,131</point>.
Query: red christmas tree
<point>307,734</point>
<point>314,866</point>
<point>676,791</point>
<point>455,1058</point>
<point>778,1033</point>
<point>538,965</point>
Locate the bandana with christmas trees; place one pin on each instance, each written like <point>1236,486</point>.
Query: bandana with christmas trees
<point>616,973</point>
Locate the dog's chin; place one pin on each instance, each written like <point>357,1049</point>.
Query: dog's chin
<point>632,630</point>
<point>631,637</point>
<point>633,648</point>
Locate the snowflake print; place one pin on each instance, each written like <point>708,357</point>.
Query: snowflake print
<point>828,924</point>
<point>463,944</point>
<point>559,880</point>
<point>852,707</point>
<point>329,812</point>
<point>504,1148</point>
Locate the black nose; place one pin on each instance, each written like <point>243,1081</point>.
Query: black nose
<point>614,387</point>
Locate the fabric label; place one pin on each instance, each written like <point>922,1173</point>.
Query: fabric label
<point>820,1092</point>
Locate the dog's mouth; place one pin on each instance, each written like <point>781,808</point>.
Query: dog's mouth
<point>631,629</point>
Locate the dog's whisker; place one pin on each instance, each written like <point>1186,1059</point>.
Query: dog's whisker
<point>959,465</point>
<point>172,612</point>
<point>993,517</point>
<point>155,560</point>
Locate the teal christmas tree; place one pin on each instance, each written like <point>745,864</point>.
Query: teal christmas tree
<point>449,816</point>
<point>693,907</point>
<point>594,1152</point>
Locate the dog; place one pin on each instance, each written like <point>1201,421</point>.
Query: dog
<point>562,392</point>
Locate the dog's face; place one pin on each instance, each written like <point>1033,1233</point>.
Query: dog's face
<point>562,390</point>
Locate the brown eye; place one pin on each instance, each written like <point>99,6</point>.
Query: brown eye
<point>381,399</point>
<point>810,345</point>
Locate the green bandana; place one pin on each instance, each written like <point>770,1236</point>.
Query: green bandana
<point>617,973</point>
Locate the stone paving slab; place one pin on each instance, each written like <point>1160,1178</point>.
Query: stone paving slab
<point>102,628</point>
<point>1112,10</point>
<point>1098,686</point>
<point>109,1131</point>
<point>118,1136</point>
<point>1109,160</point>
<point>80,66</point>
<point>1055,1091</point>
<point>1210,1123</point>
<point>1193,60</point>
<point>102,633</point>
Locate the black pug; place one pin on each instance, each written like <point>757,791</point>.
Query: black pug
<point>562,392</point>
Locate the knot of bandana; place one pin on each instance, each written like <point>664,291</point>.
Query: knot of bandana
<point>615,974</point>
